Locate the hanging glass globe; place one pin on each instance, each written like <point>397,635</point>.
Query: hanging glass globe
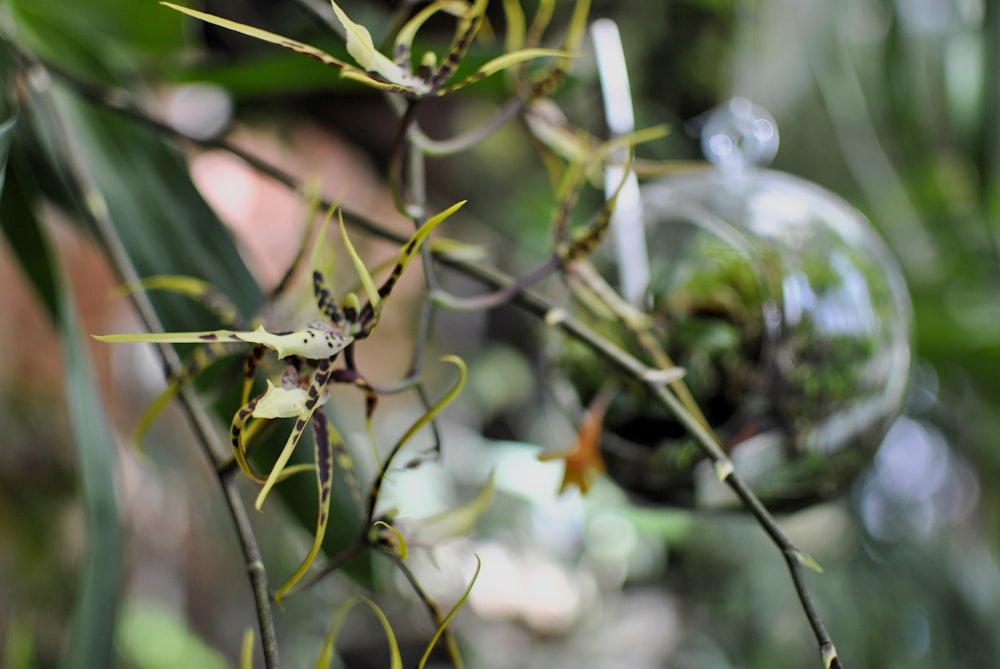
<point>789,316</point>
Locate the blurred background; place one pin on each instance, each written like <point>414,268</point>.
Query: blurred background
<point>891,104</point>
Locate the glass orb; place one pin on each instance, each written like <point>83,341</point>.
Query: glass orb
<point>792,322</point>
<point>738,135</point>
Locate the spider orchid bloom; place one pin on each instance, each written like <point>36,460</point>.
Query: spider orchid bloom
<point>396,75</point>
<point>320,343</point>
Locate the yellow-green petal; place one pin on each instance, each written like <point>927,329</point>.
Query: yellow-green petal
<point>280,402</point>
<point>362,49</point>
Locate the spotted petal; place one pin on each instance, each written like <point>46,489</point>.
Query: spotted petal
<point>313,343</point>
<point>324,437</point>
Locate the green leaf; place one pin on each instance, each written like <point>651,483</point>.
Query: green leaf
<point>6,139</point>
<point>92,634</point>
<point>152,637</point>
<point>24,233</point>
<point>91,640</point>
<point>161,218</point>
<point>107,37</point>
<point>271,73</point>
<point>19,645</point>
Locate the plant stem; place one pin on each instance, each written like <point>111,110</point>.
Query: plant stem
<point>501,296</point>
<point>470,138</point>
<point>432,609</point>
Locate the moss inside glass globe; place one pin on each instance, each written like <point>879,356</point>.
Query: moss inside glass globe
<point>792,322</point>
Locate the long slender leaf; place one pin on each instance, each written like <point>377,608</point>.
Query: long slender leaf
<point>92,635</point>
<point>17,220</point>
<point>6,138</point>
<point>105,37</point>
<point>91,642</point>
<point>165,225</point>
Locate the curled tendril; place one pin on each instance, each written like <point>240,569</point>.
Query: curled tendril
<point>395,659</point>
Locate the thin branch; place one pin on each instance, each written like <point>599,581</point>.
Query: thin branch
<point>424,326</point>
<point>336,563</point>
<point>432,609</point>
<point>501,296</point>
<point>469,138</point>
<point>400,150</point>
